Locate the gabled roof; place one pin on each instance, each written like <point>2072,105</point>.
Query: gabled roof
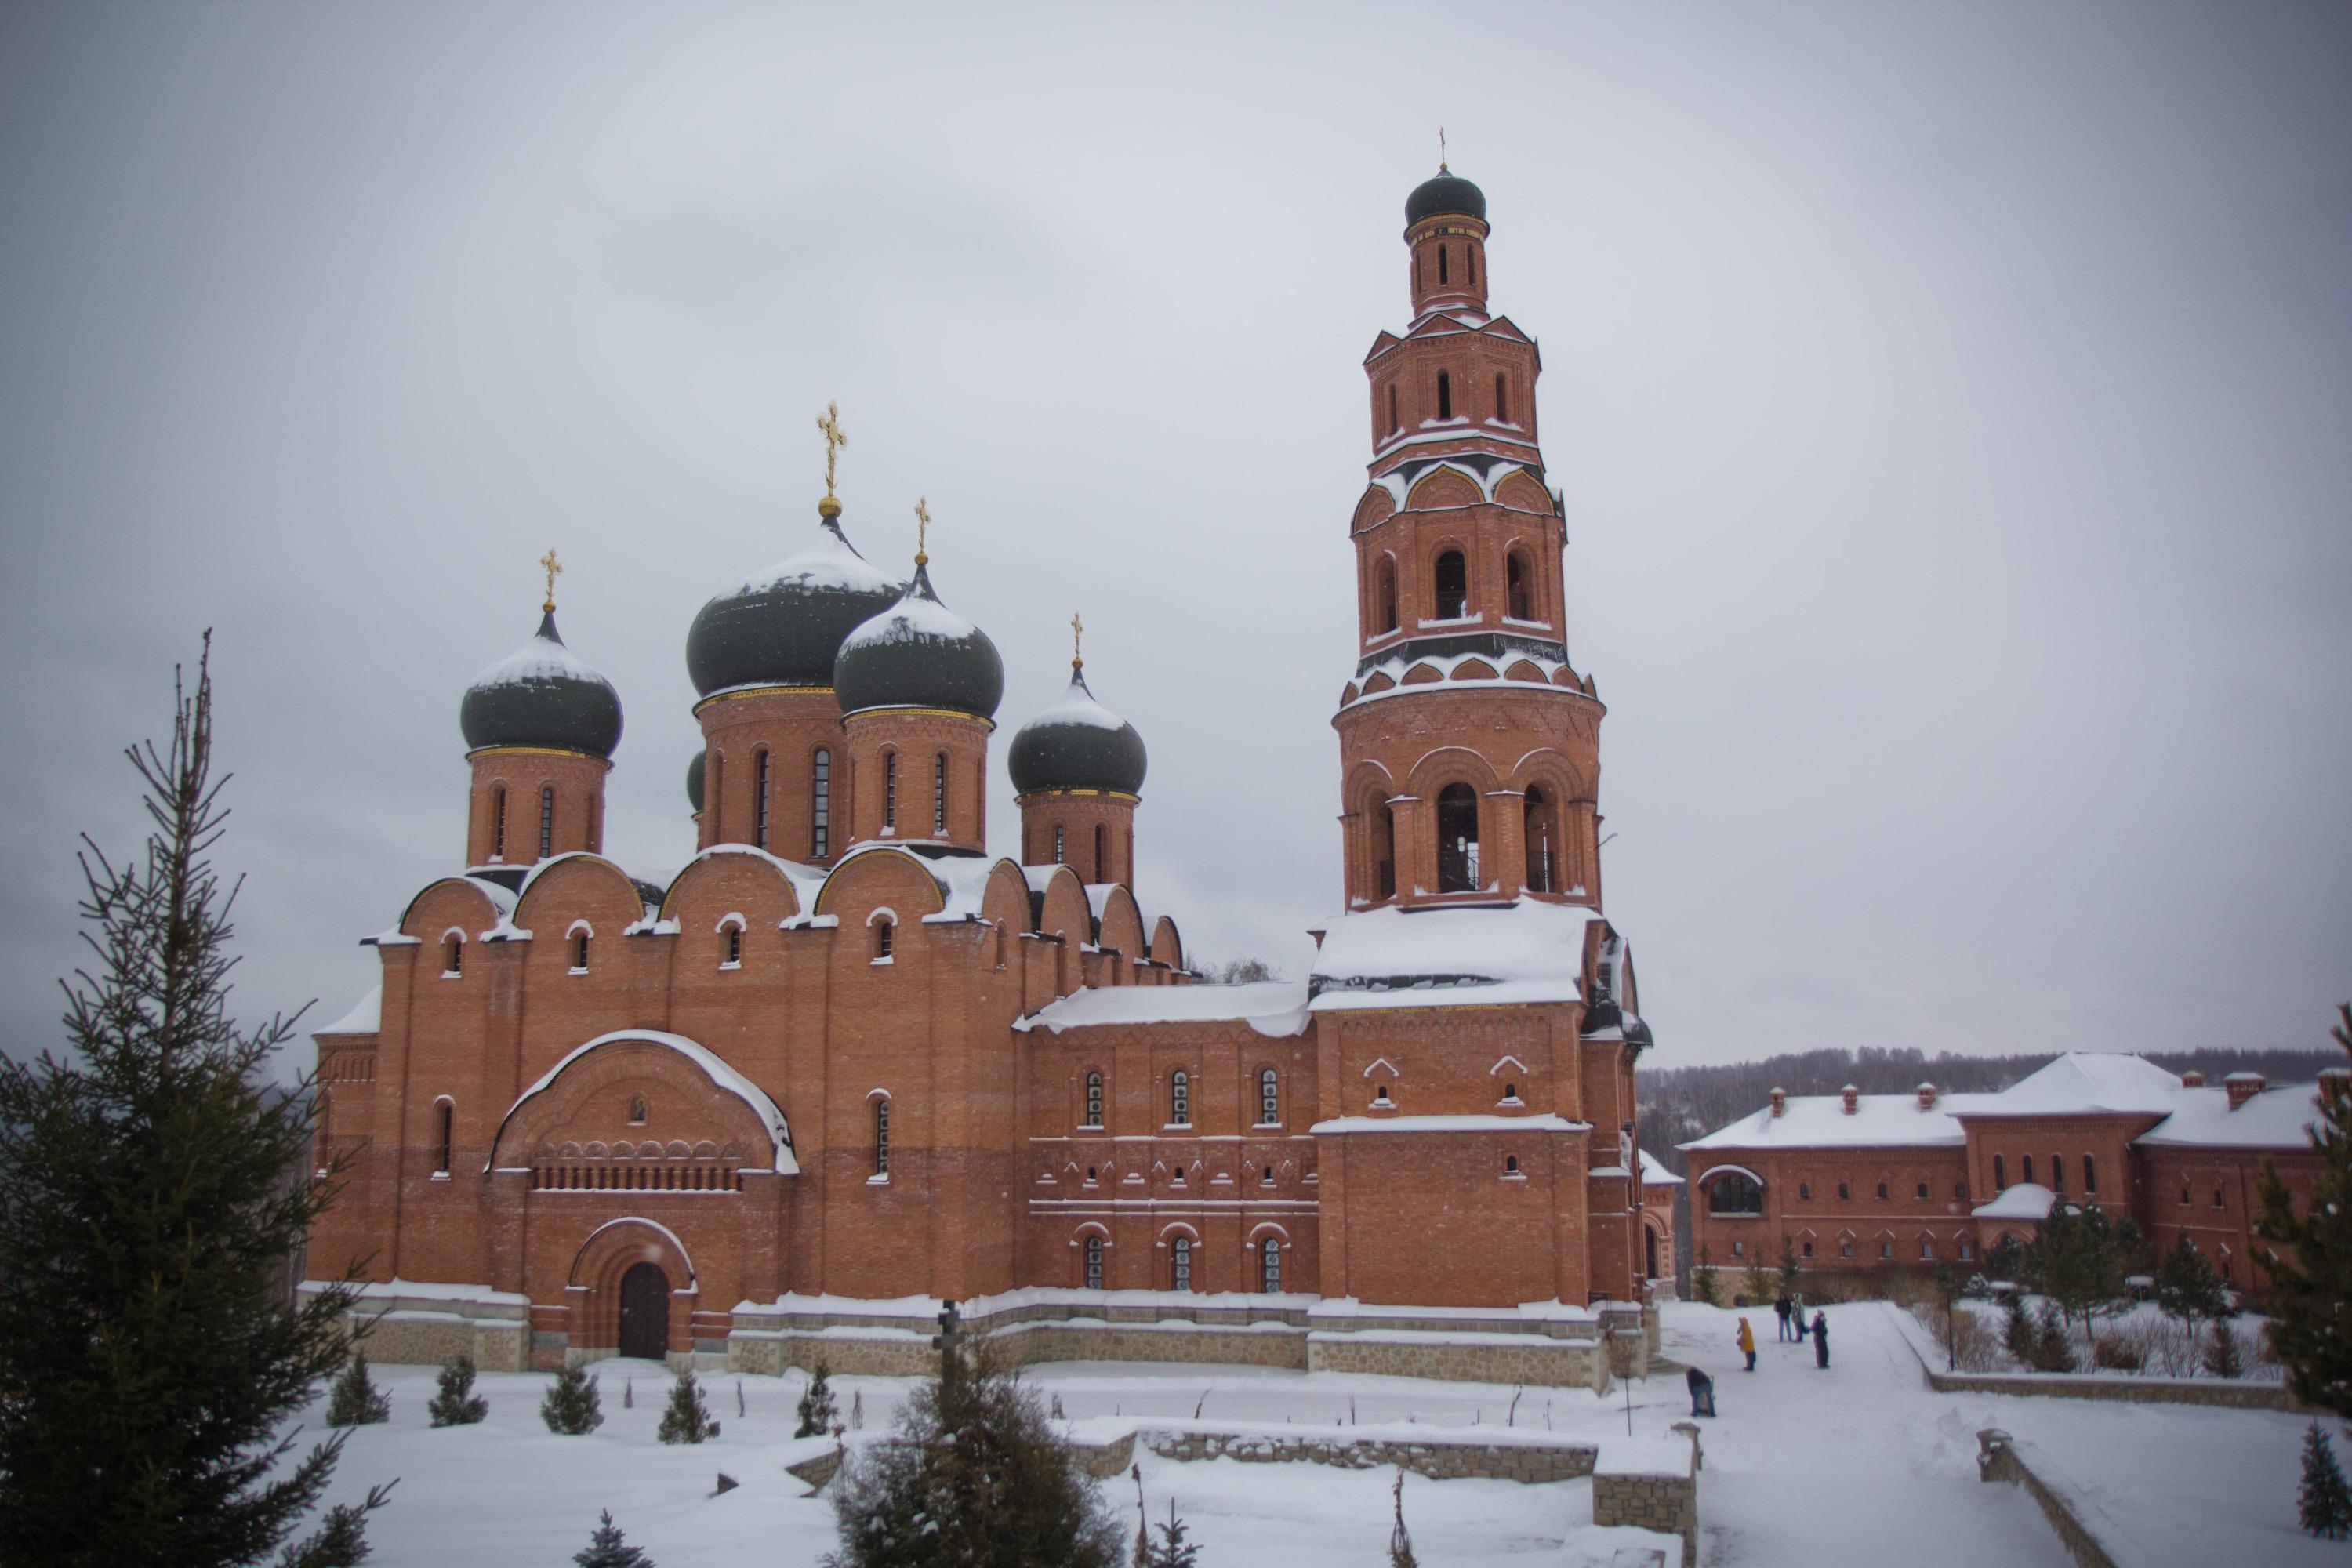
<point>1524,952</point>
<point>1820,1121</point>
<point>2088,1083</point>
<point>2279,1118</point>
<point>1655,1173</point>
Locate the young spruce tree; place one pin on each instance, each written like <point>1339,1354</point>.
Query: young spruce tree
<point>2324,1502</point>
<point>606,1548</point>
<point>153,1183</point>
<point>357,1400</point>
<point>572,1405</point>
<point>1171,1550</point>
<point>2311,1311</point>
<point>818,1409</point>
<point>687,1419</point>
<point>457,1404</point>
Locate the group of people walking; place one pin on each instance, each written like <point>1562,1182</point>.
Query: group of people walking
<point>1790,1311</point>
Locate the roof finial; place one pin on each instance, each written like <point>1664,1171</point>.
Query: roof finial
<point>1441,150</point>
<point>1077,643</point>
<point>554,570</point>
<point>829,422</point>
<point>923,530</point>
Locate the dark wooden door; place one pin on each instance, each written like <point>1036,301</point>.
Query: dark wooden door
<point>645,1313</point>
<point>1651,1237</point>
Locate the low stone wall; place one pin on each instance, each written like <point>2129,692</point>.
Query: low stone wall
<point>2090,1534</point>
<point>1651,1485</point>
<point>1466,1358</point>
<point>1439,1459</point>
<point>2128,1388</point>
<point>399,1328</point>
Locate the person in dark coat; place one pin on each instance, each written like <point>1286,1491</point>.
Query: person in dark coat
<point>1820,1339</point>
<point>1781,1307</point>
<point>1702,1391</point>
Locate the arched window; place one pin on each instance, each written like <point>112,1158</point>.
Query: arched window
<point>1179,1263</point>
<point>1384,595</point>
<point>2058,1172</point>
<point>1470,261</point>
<point>638,1110</point>
<point>821,804</point>
<point>1537,819</point>
<point>881,1135</point>
<point>2000,1175</point>
<point>760,797</point>
<point>1734,1193</point>
<point>1180,1098</point>
<point>1058,843</point>
<point>1882,1192</point>
<point>940,795</point>
<point>2218,1201</point>
<point>734,946</point>
<point>1382,820</point>
<point>580,952</point>
<point>882,932</point>
<point>1804,1192</point>
<point>1269,1266</point>
<point>1094,1250</point>
<point>1102,853</point>
<point>1519,583</point>
<point>498,823</point>
<point>889,791</point>
<point>1444,393</point>
<point>1441,264</point>
<point>1510,1164</point>
<point>453,954</point>
<point>2026,1165</point>
<point>546,821</point>
<point>1457,839</point>
<point>1452,576</point>
<point>1845,1192</point>
<point>1269,1097</point>
<point>1922,1191</point>
<point>596,837</point>
<point>1502,399</point>
<point>445,1117</point>
<point>1094,1100</point>
<point>1394,420</point>
<point>2090,1176</point>
<point>2184,1195</point>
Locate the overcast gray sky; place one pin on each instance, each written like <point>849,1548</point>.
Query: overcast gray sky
<point>1953,409</point>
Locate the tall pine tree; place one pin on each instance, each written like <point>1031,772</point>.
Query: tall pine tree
<point>151,1189</point>
<point>2311,1310</point>
<point>2324,1502</point>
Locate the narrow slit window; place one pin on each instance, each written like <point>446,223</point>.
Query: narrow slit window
<point>445,1115</point>
<point>760,797</point>
<point>2000,1175</point>
<point>820,806</point>
<point>940,795</point>
<point>1502,398</point>
<point>596,839</point>
<point>1444,396</point>
<point>453,956</point>
<point>2090,1176</point>
<point>889,791</point>
<point>1269,1268</point>
<point>546,821</point>
<point>1094,1100</point>
<point>1440,264</point>
<point>1269,1097</point>
<point>1102,853</point>
<point>1058,843</point>
<point>1384,595</point>
<point>2026,1165</point>
<point>734,944</point>
<point>882,1137</point>
<point>1180,1098</point>
<point>579,951</point>
<point>1451,580</point>
<point>1179,1263</point>
<point>498,823</point>
<point>1393,421</point>
<point>883,931</point>
<point>1094,1263</point>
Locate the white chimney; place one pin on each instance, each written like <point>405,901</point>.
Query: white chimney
<point>1926,1097</point>
<point>1779,1102</point>
<point>1853,1099</point>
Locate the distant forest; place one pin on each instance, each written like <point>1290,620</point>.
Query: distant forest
<point>1681,1103</point>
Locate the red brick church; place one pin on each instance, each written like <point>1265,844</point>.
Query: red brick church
<point>847,1063</point>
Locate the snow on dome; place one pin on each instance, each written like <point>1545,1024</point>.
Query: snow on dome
<point>542,695</point>
<point>1525,951</point>
<point>781,626</point>
<point>919,654</point>
<point>1078,743</point>
<point>831,562</point>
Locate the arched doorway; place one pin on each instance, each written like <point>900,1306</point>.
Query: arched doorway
<point>645,1313</point>
<point>1650,1237</point>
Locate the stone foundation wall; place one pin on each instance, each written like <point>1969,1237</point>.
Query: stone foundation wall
<point>1667,1504</point>
<point>2090,1536</point>
<point>1539,1363</point>
<point>1439,1459</point>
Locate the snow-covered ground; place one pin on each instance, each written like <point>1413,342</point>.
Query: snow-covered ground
<point>1860,1463</point>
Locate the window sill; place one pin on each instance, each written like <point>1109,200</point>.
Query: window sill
<point>1177,1127</point>
<point>1265,1126</point>
<point>1090,1126</point>
<point>882,1181</point>
<point>453,974</point>
<point>1513,1176</point>
<point>575,969</point>
<point>730,966</point>
<point>1514,1101</point>
<point>878,962</point>
<point>440,1175</point>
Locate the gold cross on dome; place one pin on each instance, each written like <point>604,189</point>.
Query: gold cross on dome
<point>829,423</point>
<point>554,570</point>
<point>1441,149</point>
<point>1077,642</point>
<point>923,530</point>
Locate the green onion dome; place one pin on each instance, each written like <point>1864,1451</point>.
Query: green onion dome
<point>919,654</point>
<point>542,695</point>
<point>1444,193</point>
<point>694,781</point>
<point>784,626</point>
<point>1078,743</point>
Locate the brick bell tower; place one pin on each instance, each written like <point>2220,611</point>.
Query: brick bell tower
<point>1469,749</point>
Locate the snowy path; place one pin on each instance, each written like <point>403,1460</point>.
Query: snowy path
<point>1860,1463</point>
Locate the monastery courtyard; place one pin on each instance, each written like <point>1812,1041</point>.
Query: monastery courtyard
<point>1859,1464</point>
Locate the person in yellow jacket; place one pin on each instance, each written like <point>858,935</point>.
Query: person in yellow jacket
<point>1748,1343</point>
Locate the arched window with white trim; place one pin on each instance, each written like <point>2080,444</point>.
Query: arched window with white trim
<point>1093,1110</point>
<point>1179,1263</point>
<point>1269,1097</point>
<point>1093,1249</point>
<point>882,1135</point>
<point>453,955</point>
<point>1269,1266</point>
<point>444,1121</point>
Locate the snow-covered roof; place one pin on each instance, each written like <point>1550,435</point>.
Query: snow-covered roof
<point>1398,481</point>
<point>1544,1124</point>
<point>2026,1200</point>
<point>1820,1121</point>
<point>1656,1174</point>
<point>1524,952</point>
<point>365,1017</point>
<point>1276,1007</point>
<point>543,658</point>
<point>2088,1081</point>
<point>721,1075</point>
<point>914,618</point>
<point>2279,1118</point>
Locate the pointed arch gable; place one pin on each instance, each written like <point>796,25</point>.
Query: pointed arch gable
<point>461,901</point>
<point>732,877</point>
<point>882,874</point>
<point>1004,902</point>
<point>575,886</point>
<point>1121,925</point>
<point>1376,508</point>
<point>1442,487</point>
<point>1167,944</point>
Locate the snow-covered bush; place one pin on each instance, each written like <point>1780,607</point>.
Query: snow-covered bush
<point>357,1400</point>
<point>572,1405</point>
<point>687,1419</point>
<point>455,1404</point>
